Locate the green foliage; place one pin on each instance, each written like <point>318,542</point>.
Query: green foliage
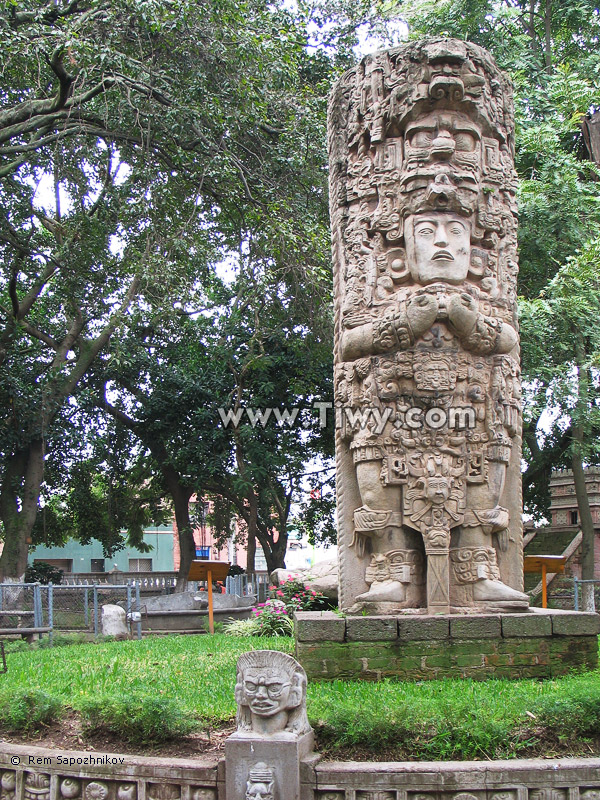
<point>273,619</point>
<point>41,572</point>
<point>296,596</point>
<point>27,711</point>
<point>194,676</point>
<point>138,718</point>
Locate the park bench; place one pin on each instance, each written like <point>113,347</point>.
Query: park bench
<point>28,634</point>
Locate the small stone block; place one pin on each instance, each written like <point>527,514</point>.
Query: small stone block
<point>526,625</point>
<point>476,627</point>
<point>319,626</point>
<point>371,629</point>
<point>575,623</point>
<point>423,628</point>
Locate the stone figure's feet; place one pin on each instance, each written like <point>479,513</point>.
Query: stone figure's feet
<point>384,591</point>
<point>498,594</point>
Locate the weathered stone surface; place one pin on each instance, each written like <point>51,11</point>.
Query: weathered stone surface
<point>427,375</point>
<point>478,627</point>
<point>477,658</point>
<point>319,626</point>
<point>114,621</point>
<point>416,628</point>
<point>263,756</point>
<point>575,623</point>
<point>520,625</point>
<point>66,775</point>
<point>365,629</point>
<point>322,577</point>
<point>273,763</point>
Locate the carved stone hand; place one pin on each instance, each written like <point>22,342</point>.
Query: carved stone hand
<point>422,312</point>
<point>462,313</point>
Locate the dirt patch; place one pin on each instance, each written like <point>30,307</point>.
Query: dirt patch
<point>209,744</point>
<point>67,735</point>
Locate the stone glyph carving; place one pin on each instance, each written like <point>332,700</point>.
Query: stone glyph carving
<point>70,788</point>
<point>427,360</point>
<point>8,783</point>
<point>270,692</point>
<point>261,782</point>
<point>37,786</point>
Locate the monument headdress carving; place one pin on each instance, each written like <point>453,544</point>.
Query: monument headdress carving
<point>424,239</point>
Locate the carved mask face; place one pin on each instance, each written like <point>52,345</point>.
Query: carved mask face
<point>438,246</point>
<point>437,490</point>
<point>266,693</point>
<point>259,791</point>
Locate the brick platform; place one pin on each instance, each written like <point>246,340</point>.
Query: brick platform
<point>538,644</point>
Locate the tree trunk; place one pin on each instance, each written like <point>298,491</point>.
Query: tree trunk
<point>583,504</point>
<point>274,551</point>
<point>187,545</point>
<point>548,37</point>
<point>587,527</point>
<point>251,544</point>
<point>18,507</point>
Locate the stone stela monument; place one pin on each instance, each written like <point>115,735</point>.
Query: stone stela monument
<point>427,377</point>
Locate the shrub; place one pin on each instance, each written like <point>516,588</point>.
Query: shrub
<point>273,619</point>
<point>137,718</point>
<point>41,572</point>
<point>268,619</point>
<point>296,596</point>
<point>26,711</point>
<point>242,627</point>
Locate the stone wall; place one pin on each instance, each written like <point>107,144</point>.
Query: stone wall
<point>35,773</point>
<point>540,644</point>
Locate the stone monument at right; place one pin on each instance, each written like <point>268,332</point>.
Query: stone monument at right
<point>427,383</point>
<point>428,389</point>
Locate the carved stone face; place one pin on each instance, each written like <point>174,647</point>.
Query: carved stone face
<point>266,692</point>
<point>438,246</point>
<point>437,490</point>
<point>259,791</point>
<point>443,136</point>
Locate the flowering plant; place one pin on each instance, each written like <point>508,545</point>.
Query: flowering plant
<point>272,619</point>
<point>296,596</point>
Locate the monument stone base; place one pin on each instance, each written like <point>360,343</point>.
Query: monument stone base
<point>281,754</point>
<point>540,643</point>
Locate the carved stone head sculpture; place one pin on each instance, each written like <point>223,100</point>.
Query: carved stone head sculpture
<point>270,692</point>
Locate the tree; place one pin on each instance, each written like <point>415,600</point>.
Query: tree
<point>563,324</point>
<point>153,126</point>
<point>181,384</point>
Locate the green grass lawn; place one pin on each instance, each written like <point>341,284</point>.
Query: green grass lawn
<point>166,686</point>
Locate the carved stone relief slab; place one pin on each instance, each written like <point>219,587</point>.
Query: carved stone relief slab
<point>427,374</point>
<point>201,793</point>
<point>8,783</point>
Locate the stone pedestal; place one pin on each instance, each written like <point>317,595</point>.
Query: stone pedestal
<point>280,756</point>
<point>541,643</point>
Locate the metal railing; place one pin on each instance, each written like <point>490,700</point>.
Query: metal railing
<point>146,580</point>
<point>245,585</point>
<point>67,608</point>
